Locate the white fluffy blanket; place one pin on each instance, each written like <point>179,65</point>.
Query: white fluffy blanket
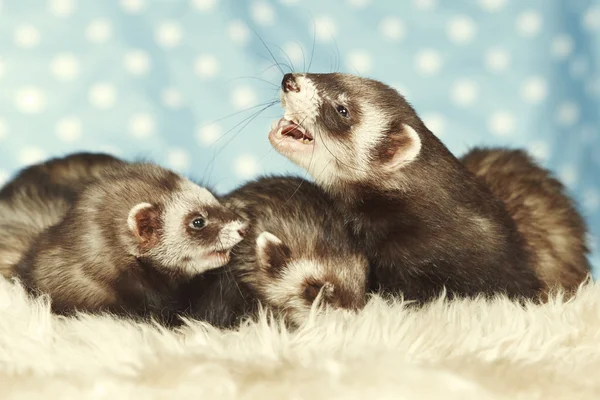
<point>462,350</point>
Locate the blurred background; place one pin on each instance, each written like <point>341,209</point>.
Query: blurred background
<point>187,82</point>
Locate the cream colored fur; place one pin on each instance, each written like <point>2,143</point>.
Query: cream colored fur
<point>463,350</point>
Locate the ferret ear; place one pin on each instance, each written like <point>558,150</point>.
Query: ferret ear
<point>143,222</point>
<point>271,253</point>
<point>405,150</point>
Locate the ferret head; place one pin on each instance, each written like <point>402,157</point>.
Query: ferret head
<point>189,232</point>
<point>342,127</point>
<point>291,285</point>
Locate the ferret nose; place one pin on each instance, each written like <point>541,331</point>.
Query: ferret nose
<point>289,84</point>
<point>242,231</point>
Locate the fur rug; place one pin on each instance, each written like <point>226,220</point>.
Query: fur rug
<point>461,350</point>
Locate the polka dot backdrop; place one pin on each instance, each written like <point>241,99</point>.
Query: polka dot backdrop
<point>189,83</point>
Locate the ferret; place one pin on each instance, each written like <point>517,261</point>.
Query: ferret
<point>546,217</point>
<point>296,252</point>
<point>428,226</point>
<point>128,240</point>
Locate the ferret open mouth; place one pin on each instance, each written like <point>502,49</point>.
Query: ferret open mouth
<point>285,128</point>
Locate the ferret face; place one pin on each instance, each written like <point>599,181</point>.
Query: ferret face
<point>343,127</point>
<point>292,285</point>
<point>191,232</point>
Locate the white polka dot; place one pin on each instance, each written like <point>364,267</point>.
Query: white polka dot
<point>98,31</point>
<point>2,68</point>
<point>534,90</point>
<point>567,113</point>
<point>30,100</point>
<point>436,123</point>
<point>497,60</point>
<point>562,46</point>
<point>209,134</point>
<point>178,159</point>
<point>425,4</point>
<point>540,150</point>
<point>31,155</point>
<point>141,126</point>
<point>137,62</point>
<point>428,62</point>
<point>172,98</point>
<point>68,129</point>
<point>289,2</point>
<point>359,3</point>
<point>169,34</point>
<point>591,199</point>
<point>392,28</point>
<point>133,6</point>
<point>3,130</point>
<point>325,28</point>
<point>360,60</point>
<point>502,123</point>
<point>262,12</point>
<point>4,177</point>
<point>578,67</point>
<point>461,29</point>
<point>529,23</point>
<point>464,92</point>
<point>204,5</point>
<point>243,97</point>
<point>239,33</point>
<point>27,36</point>
<point>294,51</point>
<point>492,5</point>
<point>567,174</point>
<point>591,18</point>
<point>62,8</point>
<point>246,166</point>
<point>103,95</point>
<point>206,66</point>
<point>65,67</point>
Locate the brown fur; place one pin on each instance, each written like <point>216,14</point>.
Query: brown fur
<point>304,219</point>
<point>425,222</point>
<point>88,258</point>
<point>546,217</point>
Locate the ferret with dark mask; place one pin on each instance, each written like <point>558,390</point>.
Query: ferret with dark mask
<point>425,222</point>
<point>128,240</point>
<point>546,217</point>
<point>296,251</point>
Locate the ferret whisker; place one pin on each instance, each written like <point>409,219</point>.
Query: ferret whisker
<point>244,110</point>
<point>291,64</point>
<point>255,78</point>
<point>312,52</point>
<point>270,52</point>
<point>245,122</point>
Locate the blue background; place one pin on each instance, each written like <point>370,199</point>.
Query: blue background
<point>170,79</point>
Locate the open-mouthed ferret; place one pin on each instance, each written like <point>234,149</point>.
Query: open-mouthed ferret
<point>39,196</point>
<point>296,251</point>
<point>546,217</point>
<point>128,240</point>
<point>425,222</point>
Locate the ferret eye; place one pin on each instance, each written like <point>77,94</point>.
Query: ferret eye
<point>343,111</point>
<point>198,223</point>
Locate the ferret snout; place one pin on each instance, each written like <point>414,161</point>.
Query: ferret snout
<point>289,84</point>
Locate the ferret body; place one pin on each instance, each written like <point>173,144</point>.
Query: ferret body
<point>546,217</point>
<point>127,240</point>
<point>296,251</point>
<point>425,222</point>
<point>39,196</point>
